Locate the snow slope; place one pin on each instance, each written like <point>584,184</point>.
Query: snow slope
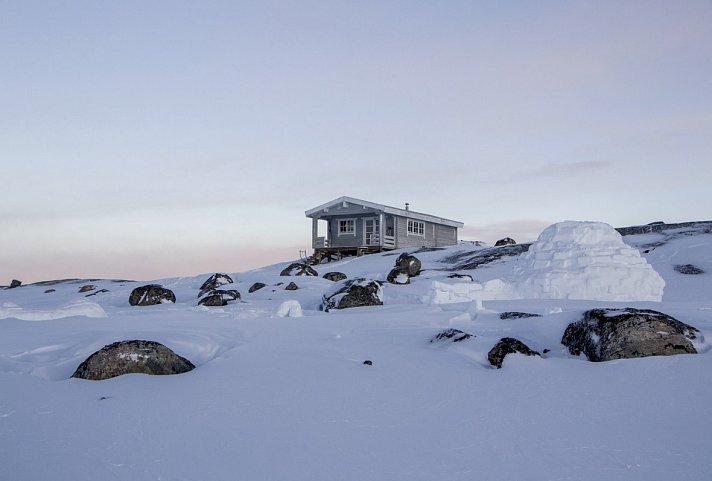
<point>281,392</point>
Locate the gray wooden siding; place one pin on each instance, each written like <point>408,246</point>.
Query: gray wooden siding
<point>445,235</point>
<point>336,240</point>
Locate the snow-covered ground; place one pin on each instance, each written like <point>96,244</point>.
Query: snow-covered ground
<point>281,392</point>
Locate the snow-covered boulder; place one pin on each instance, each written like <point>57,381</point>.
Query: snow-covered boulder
<point>585,260</point>
<point>298,269</point>
<point>150,295</point>
<point>219,297</point>
<point>606,334</point>
<point>356,292</point>
<point>334,276</point>
<point>289,308</point>
<point>213,282</point>
<point>127,357</point>
<point>507,241</point>
<point>407,266</point>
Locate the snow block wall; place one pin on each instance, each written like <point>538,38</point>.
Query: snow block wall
<point>585,260</point>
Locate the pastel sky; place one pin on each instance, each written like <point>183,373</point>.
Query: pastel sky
<point>147,139</point>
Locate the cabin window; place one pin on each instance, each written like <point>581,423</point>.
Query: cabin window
<point>416,227</point>
<point>347,227</point>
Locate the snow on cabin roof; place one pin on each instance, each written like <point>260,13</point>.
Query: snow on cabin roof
<point>345,201</point>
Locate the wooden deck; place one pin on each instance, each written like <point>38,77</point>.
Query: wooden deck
<point>329,254</point>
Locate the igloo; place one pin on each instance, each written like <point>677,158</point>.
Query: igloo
<point>585,260</point>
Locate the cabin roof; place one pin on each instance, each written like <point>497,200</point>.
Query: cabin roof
<point>323,210</point>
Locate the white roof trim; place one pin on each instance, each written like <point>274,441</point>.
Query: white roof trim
<point>384,208</point>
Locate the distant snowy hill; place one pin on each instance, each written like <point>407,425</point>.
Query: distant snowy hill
<point>281,391</point>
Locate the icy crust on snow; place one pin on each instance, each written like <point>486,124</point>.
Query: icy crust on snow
<point>585,260</point>
<point>80,308</point>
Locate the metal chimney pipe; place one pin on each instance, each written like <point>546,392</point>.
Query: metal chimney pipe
<point>407,206</point>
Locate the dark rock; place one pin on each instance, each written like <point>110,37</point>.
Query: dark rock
<point>87,288</point>
<point>353,293</point>
<point>460,276</point>
<point>150,295</point>
<point>505,346</point>
<point>213,282</point>
<point>125,357</point>
<point>507,241</point>
<point>50,290</point>
<point>298,269</point>
<point>97,292</point>
<point>334,276</point>
<point>214,300</point>
<point>219,297</point>
<point>606,334</point>
<point>256,287</point>
<point>408,264</point>
<point>516,315</point>
<point>397,277</point>
<point>368,363</point>
<point>688,269</point>
<point>291,287</point>
<point>455,335</point>
<point>15,283</point>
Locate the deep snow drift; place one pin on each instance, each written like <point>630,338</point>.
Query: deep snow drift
<point>281,390</point>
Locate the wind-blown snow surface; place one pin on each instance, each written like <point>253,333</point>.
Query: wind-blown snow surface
<point>289,398</point>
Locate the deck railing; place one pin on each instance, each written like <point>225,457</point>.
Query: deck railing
<point>389,242</point>
<point>321,242</point>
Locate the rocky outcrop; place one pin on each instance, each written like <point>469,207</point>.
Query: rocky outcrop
<point>407,266</point>
<point>87,288</point>
<point>454,335</point>
<point>688,269</point>
<point>291,287</point>
<point>607,334</point>
<point>219,297</point>
<point>334,276</point>
<point>516,315</point>
<point>507,241</point>
<point>127,357</point>
<point>298,269</point>
<point>150,295</point>
<point>349,293</point>
<point>506,346</point>
<point>213,282</point>
<point>14,283</point>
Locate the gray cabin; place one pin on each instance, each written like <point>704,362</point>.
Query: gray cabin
<point>347,226</point>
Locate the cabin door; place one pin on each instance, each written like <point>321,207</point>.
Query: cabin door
<point>371,232</point>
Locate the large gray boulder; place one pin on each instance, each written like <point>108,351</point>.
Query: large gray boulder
<point>15,283</point>
<point>298,269</point>
<point>127,357</point>
<point>213,282</point>
<point>407,266</point>
<point>256,287</point>
<point>506,346</point>
<point>356,292</point>
<point>150,295</point>
<point>607,334</point>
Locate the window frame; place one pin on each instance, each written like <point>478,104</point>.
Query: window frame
<point>352,232</point>
<point>415,227</point>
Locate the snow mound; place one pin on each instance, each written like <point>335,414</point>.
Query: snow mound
<point>585,260</point>
<point>80,308</point>
<point>289,308</point>
<point>448,293</point>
